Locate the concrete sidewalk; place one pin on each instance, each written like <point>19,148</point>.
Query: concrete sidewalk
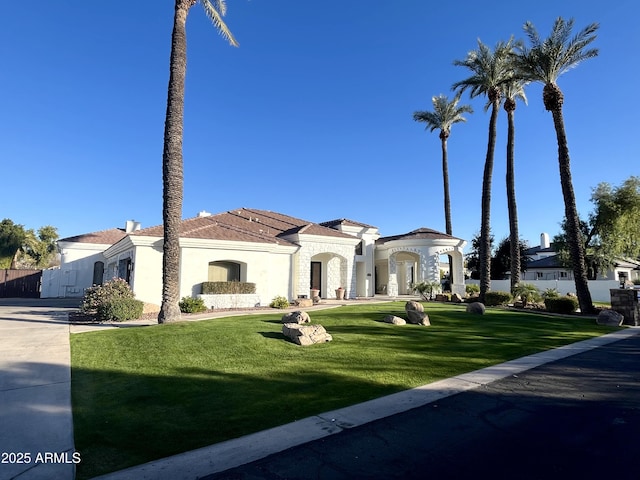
<point>36,425</point>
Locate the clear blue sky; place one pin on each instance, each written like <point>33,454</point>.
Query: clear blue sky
<point>311,116</point>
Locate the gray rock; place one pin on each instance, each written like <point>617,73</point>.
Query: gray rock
<point>476,307</point>
<point>296,317</point>
<point>394,320</point>
<point>416,314</point>
<point>610,317</point>
<point>306,334</point>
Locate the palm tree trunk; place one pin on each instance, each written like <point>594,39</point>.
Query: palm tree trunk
<point>447,198</point>
<point>485,227</point>
<point>445,178</point>
<point>172,169</point>
<point>576,245</point>
<point>514,244</point>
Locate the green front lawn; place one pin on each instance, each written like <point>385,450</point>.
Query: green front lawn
<point>145,393</point>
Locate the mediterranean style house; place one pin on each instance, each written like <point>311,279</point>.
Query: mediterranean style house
<point>282,255</point>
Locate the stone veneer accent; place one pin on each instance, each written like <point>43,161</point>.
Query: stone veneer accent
<point>340,269</point>
<point>626,303</point>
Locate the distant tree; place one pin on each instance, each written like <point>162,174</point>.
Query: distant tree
<point>544,61</point>
<point>38,250</point>
<point>172,165</point>
<point>12,237</point>
<point>513,90</point>
<point>473,257</point>
<point>445,113</point>
<point>616,218</point>
<point>612,230</point>
<point>501,259</point>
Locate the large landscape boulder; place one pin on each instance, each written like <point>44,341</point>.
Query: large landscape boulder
<point>416,314</point>
<point>610,317</point>
<point>394,320</point>
<point>476,307</point>
<point>306,334</point>
<point>296,317</point>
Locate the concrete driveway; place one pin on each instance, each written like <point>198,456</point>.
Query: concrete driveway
<point>36,424</point>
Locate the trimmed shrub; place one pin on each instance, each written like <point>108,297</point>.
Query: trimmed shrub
<point>527,292</point>
<point>217,288</point>
<point>192,305</point>
<point>120,309</point>
<point>98,295</point>
<point>279,302</point>
<point>472,289</point>
<point>561,304</point>
<point>492,299</point>
<point>427,289</point>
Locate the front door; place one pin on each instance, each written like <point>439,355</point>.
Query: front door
<point>316,276</point>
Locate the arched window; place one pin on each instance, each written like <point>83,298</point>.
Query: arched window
<point>98,273</point>
<point>224,272</point>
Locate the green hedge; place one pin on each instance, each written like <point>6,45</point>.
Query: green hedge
<point>561,304</point>
<point>491,299</point>
<point>217,288</point>
<point>120,309</point>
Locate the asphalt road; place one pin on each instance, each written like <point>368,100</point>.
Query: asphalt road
<point>577,418</point>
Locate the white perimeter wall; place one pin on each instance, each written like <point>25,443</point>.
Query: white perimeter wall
<point>76,270</point>
<point>599,289</point>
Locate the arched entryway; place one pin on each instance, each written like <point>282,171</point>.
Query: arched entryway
<point>328,271</point>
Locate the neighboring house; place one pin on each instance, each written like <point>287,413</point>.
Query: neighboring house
<point>282,255</point>
<point>544,265</point>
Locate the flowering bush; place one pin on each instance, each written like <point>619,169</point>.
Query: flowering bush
<point>98,295</point>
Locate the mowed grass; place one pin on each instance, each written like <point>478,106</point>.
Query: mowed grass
<point>145,393</point>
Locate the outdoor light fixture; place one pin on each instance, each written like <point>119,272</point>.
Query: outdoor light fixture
<point>622,276</point>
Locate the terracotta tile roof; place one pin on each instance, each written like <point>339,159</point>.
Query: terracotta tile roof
<point>245,225</point>
<point>420,233</point>
<point>345,221</point>
<point>106,237</point>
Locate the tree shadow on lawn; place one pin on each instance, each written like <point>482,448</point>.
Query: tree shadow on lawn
<point>125,419</point>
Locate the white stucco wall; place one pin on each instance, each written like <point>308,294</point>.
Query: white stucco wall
<point>269,266</point>
<point>76,270</point>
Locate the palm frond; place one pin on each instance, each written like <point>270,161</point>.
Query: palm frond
<point>544,61</point>
<point>490,68</point>
<point>445,113</point>
<point>215,10</point>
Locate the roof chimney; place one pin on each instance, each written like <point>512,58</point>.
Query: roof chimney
<point>131,226</point>
<point>203,213</point>
<point>544,240</point>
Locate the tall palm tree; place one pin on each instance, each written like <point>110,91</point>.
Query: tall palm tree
<point>490,70</point>
<point>512,91</point>
<point>544,61</point>
<point>445,113</point>
<point>172,169</point>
